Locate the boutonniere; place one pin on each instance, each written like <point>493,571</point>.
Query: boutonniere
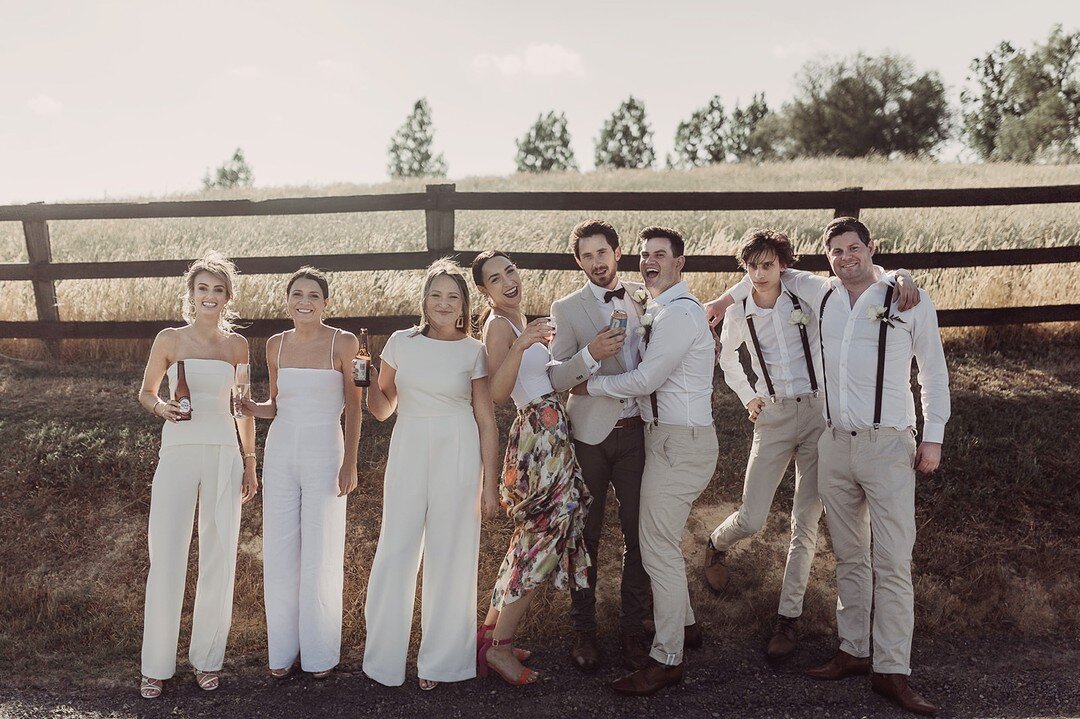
<point>641,296</point>
<point>798,317</point>
<point>878,313</point>
<point>645,329</point>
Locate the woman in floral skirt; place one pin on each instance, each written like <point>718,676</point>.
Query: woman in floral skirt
<point>541,487</point>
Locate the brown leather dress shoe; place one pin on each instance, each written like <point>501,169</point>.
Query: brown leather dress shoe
<point>693,636</point>
<point>896,689</point>
<point>649,680</point>
<point>716,572</point>
<point>586,650</point>
<point>841,666</point>
<point>782,644</point>
<point>634,654</point>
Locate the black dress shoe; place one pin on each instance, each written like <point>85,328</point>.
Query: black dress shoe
<point>896,689</point>
<point>782,644</point>
<point>693,636</point>
<point>586,650</point>
<point>649,680</point>
<point>634,654</point>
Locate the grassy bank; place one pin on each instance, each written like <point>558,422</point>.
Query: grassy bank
<point>996,525</point>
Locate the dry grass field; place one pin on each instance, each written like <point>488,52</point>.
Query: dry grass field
<point>372,293</point>
<point>997,525</point>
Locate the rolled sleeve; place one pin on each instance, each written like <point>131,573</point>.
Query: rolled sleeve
<point>672,335</point>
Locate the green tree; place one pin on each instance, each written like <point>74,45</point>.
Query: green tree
<point>626,138</point>
<point>546,146</point>
<point>866,105</point>
<point>699,140</point>
<point>1025,105</point>
<point>234,173</point>
<point>749,135</point>
<point>410,148</point>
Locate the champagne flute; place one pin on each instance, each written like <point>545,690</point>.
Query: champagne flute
<point>242,388</point>
<point>550,341</point>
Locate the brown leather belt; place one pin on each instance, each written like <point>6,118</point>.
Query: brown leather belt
<point>629,422</point>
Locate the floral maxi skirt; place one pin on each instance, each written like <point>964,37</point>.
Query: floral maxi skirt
<point>543,492</point>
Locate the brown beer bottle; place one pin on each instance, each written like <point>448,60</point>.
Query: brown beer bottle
<point>361,369</point>
<point>182,394</point>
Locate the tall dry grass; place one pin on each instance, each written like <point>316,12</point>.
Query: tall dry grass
<point>379,293</point>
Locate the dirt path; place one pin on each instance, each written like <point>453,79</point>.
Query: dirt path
<point>985,677</point>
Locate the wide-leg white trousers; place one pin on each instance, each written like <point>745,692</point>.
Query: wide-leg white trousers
<point>188,475</point>
<point>303,545</point>
<point>431,509</point>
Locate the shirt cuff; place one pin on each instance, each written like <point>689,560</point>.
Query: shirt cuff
<point>595,387</point>
<point>590,364</point>
<point>933,432</point>
<point>745,395</point>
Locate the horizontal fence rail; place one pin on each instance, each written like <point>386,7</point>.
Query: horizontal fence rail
<point>440,203</point>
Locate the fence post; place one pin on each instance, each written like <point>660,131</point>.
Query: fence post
<point>39,252</point>
<point>440,222</point>
<point>849,206</point>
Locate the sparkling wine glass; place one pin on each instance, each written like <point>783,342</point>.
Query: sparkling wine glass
<point>241,388</point>
<point>550,341</point>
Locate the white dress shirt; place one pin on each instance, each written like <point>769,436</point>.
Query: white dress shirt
<point>630,354</point>
<point>850,340</point>
<point>677,363</point>
<point>781,344</point>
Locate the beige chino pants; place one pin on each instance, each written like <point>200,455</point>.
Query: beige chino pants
<point>787,428</point>
<point>679,463</point>
<point>867,481</point>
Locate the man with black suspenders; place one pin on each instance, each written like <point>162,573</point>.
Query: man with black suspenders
<point>786,407</point>
<point>867,455</point>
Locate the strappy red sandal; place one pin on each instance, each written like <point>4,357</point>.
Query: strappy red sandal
<point>482,638</point>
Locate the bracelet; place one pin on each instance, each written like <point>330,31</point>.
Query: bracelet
<point>249,454</point>
<point>154,410</point>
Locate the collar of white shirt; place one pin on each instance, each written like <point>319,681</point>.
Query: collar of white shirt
<point>679,289</point>
<point>753,308</point>
<point>600,291</point>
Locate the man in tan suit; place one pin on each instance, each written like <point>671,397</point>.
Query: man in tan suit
<point>608,433</point>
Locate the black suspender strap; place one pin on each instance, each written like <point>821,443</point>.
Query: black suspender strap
<point>879,389</point>
<point>757,349</point>
<point>805,345</point>
<point>821,346</point>
<point>652,396</point>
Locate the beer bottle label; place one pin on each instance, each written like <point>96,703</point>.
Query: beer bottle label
<point>185,405</point>
<point>360,373</point>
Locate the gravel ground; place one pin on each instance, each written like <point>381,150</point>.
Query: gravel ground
<point>1000,676</point>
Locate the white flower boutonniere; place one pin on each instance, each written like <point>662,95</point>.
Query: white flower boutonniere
<point>645,329</point>
<point>798,317</point>
<point>641,296</point>
<point>878,313</point>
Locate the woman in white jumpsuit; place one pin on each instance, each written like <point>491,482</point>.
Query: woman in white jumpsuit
<point>199,464</point>
<point>444,446</point>
<point>308,469</point>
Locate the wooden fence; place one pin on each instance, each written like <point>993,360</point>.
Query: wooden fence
<point>439,204</point>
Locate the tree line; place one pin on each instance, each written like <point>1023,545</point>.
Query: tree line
<point>1020,105</point>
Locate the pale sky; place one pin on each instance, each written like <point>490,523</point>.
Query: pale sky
<point>108,99</point>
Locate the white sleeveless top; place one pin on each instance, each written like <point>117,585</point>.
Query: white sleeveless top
<point>309,395</point>
<point>532,379</point>
<point>210,382</point>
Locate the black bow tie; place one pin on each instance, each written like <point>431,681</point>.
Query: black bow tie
<point>620,293</point>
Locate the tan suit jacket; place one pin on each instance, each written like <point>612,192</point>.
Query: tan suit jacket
<point>578,318</point>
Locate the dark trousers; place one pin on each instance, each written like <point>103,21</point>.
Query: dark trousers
<point>617,461</point>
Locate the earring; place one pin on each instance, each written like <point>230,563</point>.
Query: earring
<point>460,324</point>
